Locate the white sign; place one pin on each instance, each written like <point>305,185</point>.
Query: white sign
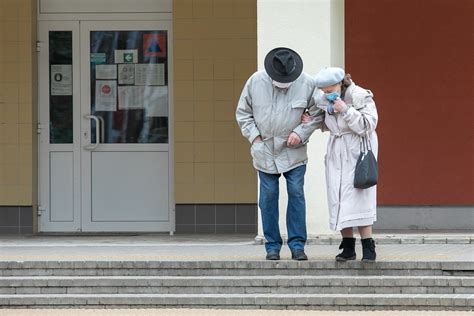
<point>153,99</point>
<point>61,79</point>
<point>150,74</point>
<point>130,97</point>
<point>126,73</point>
<point>126,56</point>
<point>106,95</point>
<point>106,71</point>
<point>156,101</point>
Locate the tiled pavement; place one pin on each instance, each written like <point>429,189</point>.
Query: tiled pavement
<point>208,312</point>
<point>202,247</point>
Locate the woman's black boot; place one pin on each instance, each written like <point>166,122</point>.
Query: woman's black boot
<point>368,248</point>
<point>348,252</point>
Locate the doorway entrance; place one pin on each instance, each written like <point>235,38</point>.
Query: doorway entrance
<point>104,130</point>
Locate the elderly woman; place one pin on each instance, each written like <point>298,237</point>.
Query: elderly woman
<point>350,114</point>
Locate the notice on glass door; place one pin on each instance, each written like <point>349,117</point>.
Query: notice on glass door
<point>156,101</point>
<point>126,73</point>
<point>106,95</point>
<point>153,99</point>
<point>130,97</point>
<point>61,79</point>
<point>106,71</point>
<point>150,74</point>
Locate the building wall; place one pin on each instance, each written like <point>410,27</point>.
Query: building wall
<point>418,62</point>
<point>215,45</point>
<point>17,145</point>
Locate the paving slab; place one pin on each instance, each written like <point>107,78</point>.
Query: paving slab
<point>219,312</point>
<point>201,248</point>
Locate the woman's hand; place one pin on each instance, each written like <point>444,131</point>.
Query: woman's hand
<point>305,118</point>
<point>339,105</point>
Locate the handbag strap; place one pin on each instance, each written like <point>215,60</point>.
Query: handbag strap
<point>364,140</point>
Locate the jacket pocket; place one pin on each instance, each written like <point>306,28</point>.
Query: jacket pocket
<point>294,118</point>
<point>300,104</point>
<point>257,150</point>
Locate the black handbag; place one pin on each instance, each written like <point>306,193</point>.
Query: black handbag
<point>366,170</point>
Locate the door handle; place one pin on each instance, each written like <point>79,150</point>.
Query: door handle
<point>97,132</point>
<point>102,132</point>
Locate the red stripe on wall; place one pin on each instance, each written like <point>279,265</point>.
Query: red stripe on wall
<point>417,58</point>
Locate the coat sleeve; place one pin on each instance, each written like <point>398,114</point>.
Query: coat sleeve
<point>244,114</point>
<point>363,109</point>
<point>304,130</point>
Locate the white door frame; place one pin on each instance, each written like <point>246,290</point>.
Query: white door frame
<point>45,222</point>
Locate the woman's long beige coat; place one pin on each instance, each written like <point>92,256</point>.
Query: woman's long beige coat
<point>348,206</point>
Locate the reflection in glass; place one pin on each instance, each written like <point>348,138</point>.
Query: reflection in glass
<point>60,82</point>
<point>129,63</point>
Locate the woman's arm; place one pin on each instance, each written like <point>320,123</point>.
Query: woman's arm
<point>363,109</point>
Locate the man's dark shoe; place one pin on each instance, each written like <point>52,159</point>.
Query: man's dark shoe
<point>273,255</point>
<point>348,250</point>
<point>298,255</point>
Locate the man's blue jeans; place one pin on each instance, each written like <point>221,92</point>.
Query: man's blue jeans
<point>296,210</point>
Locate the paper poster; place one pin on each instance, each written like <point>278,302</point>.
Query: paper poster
<point>150,74</point>
<point>98,58</point>
<point>126,73</point>
<point>126,56</point>
<point>154,45</point>
<point>156,101</point>
<point>106,95</point>
<point>130,97</point>
<point>106,72</point>
<point>61,79</point>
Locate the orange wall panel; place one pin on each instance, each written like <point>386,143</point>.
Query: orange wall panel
<point>417,58</point>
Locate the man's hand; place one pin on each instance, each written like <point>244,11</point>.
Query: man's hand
<point>257,139</point>
<point>294,139</point>
<point>306,118</point>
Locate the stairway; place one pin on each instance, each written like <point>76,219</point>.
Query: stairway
<point>239,284</point>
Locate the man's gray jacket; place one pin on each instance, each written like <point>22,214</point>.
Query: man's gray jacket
<point>274,113</point>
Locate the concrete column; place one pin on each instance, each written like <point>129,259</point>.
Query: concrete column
<point>315,29</point>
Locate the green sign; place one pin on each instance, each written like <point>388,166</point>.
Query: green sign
<point>98,58</point>
<point>128,58</point>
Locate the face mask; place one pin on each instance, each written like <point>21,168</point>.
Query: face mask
<point>331,97</point>
<point>282,85</point>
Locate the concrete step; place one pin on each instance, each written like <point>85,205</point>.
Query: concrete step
<point>234,268</point>
<point>276,301</point>
<point>278,284</point>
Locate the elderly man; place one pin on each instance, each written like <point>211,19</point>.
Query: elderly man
<point>269,115</point>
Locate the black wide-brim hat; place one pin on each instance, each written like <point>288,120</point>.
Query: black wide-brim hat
<point>283,64</point>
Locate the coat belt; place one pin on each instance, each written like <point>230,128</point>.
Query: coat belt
<point>331,144</point>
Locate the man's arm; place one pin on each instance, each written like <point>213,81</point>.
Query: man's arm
<point>304,130</point>
<point>244,115</point>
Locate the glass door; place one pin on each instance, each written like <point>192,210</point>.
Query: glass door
<point>125,126</point>
<point>59,127</point>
